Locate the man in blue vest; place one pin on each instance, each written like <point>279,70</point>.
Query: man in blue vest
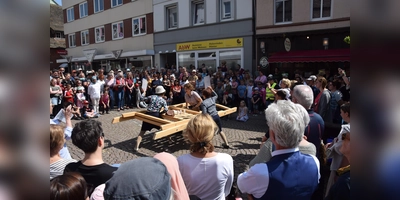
<point>289,174</point>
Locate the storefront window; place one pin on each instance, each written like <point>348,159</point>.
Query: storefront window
<point>186,59</point>
<point>232,58</point>
<point>207,55</point>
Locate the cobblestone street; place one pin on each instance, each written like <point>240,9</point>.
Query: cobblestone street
<point>120,139</point>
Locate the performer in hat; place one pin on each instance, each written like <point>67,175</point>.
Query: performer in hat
<point>155,104</point>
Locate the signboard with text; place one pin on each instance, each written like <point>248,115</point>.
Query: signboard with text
<point>210,44</point>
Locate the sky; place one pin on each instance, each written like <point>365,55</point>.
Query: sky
<point>59,2</point>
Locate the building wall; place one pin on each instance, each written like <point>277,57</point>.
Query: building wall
<point>301,17</point>
<point>125,12</point>
<point>53,58</point>
<point>131,44</point>
<point>242,10</point>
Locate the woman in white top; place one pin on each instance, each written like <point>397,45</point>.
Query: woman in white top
<point>207,174</point>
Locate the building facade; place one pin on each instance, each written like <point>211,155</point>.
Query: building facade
<point>108,34</point>
<point>195,32</point>
<point>57,39</point>
<point>304,36</point>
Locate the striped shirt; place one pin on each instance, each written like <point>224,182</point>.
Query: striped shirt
<point>57,168</point>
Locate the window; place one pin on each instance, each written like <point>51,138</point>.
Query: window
<point>117,30</point>
<point>58,35</point>
<point>198,12</point>
<point>226,9</point>
<point>83,10</point>
<point>98,5</point>
<point>85,37</point>
<point>283,11</point>
<point>139,26</point>
<point>321,9</point>
<point>116,3</point>
<point>71,40</point>
<point>99,34</point>
<point>172,17</point>
<point>70,14</point>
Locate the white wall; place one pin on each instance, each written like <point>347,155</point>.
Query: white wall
<point>127,44</point>
<point>211,11</point>
<point>130,10</point>
<point>243,10</point>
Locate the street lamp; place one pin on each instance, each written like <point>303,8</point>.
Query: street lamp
<point>325,42</point>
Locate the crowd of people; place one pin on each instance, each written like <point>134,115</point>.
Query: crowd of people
<point>288,166</point>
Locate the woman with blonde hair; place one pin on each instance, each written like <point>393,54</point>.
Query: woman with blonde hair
<point>57,140</point>
<point>207,174</point>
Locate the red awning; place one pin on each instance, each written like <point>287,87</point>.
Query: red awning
<point>328,55</point>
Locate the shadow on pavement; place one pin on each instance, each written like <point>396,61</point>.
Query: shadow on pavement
<point>255,123</point>
<point>170,144</point>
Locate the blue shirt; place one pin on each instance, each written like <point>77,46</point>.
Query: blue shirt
<point>155,103</point>
<point>241,91</point>
<point>64,153</point>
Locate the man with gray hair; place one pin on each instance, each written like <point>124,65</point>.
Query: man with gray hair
<point>303,95</point>
<point>289,174</point>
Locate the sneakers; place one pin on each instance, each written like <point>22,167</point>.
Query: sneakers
<point>226,146</point>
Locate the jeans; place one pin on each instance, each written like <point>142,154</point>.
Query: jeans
<point>120,98</point>
<point>112,99</point>
<point>129,98</point>
<point>95,104</point>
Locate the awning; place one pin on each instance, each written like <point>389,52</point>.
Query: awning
<point>328,55</point>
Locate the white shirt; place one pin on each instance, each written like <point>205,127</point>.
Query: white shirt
<point>256,180</point>
<point>207,178</point>
<point>94,90</point>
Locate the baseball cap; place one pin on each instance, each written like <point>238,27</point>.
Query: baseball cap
<point>194,70</point>
<point>256,88</point>
<point>128,70</point>
<point>119,70</point>
<point>139,179</point>
<point>79,69</point>
<point>312,78</point>
<point>270,76</point>
<point>85,102</point>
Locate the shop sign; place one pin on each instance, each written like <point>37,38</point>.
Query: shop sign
<point>62,52</point>
<point>264,61</point>
<point>117,53</point>
<point>210,44</point>
<point>287,44</point>
<point>89,54</point>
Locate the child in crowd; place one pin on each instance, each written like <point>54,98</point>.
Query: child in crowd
<point>249,95</point>
<point>241,91</point>
<point>242,112</point>
<point>87,111</point>
<point>104,102</point>
<point>80,97</point>
<point>76,112</point>
<point>256,99</point>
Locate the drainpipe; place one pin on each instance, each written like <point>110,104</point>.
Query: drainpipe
<point>254,50</point>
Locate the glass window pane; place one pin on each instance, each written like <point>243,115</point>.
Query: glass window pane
<point>135,26</point>
<point>199,13</point>
<point>316,8</point>
<point>101,4</point>
<point>207,55</point>
<point>279,11</point>
<point>288,11</point>
<point>326,12</point>
<point>186,59</point>
<point>143,25</point>
<point>232,58</point>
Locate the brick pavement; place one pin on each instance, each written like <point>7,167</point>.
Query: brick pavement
<point>120,139</point>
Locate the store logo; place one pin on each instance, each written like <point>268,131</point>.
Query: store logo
<point>264,61</point>
<point>238,41</point>
<point>184,47</point>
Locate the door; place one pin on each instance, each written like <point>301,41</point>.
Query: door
<point>211,65</point>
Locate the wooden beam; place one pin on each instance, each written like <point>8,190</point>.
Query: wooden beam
<point>222,107</point>
<point>155,119</point>
<point>121,119</point>
<point>148,121</point>
<point>164,133</point>
<point>222,113</point>
<point>174,124</point>
<point>129,114</point>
